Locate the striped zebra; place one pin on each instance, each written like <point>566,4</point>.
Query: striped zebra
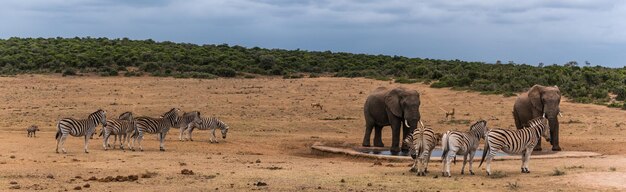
<point>421,144</point>
<point>122,127</point>
<point>462,143</point>
<point>79,127</point>
<point>209,123</point>
<point>187,119</point>
<point>152,125</point>
<point>521,141</point>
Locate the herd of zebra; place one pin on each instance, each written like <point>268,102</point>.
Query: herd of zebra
<point>522,141</point>
<point>127,127</point>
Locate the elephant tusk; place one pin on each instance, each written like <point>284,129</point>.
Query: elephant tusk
<point>544,115</point>
<point>422,124</point>
<point>560,115</point>
<point>406,123</point>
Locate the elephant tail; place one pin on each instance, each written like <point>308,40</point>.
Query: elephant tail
<point>485,150</point>
<point>444,145</point>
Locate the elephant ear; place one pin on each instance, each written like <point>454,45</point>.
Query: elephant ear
<point>392,101</point>
<point>534,95</point>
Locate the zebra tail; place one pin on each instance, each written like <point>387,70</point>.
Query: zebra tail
<point>485,150</point>
<point>444,145</point>
<point>58,132</point>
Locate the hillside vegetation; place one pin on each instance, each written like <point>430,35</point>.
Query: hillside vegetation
<point>113,57</point>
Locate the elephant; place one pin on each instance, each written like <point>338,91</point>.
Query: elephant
<point>540,101</point>
<point>398,107</point>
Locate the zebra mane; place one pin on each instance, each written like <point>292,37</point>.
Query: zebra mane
<point>536,122</point>
<point>478,125</point>
<point>97,113</point>
<point>125,115</point>
<point>170,112</point>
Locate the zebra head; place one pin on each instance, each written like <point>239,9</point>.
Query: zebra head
<point>99,117</point>
<point>224,131</point>
<point>479,128</point>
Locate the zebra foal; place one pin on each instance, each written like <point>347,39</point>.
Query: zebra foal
<point>186,120</point>
<point>79,127</point>
<point>122,127</point>
<point>521,141</point>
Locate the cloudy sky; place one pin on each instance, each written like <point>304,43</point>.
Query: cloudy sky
<point>528,31</point>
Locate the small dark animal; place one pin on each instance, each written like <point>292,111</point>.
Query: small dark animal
<point>31,130</point>
<point>450,114</point>
<point>318,105</point>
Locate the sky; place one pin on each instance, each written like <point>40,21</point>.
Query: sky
<point>528,31</point>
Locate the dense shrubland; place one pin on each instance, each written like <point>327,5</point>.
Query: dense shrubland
<point>113,57</point>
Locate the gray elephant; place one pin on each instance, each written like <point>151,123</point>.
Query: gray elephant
<point>398,107</point>
<point>539,101</point>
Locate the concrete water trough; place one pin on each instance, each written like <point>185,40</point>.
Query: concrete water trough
<point>383,153</point>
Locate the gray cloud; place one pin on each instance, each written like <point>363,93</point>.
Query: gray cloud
<point>529,31</point>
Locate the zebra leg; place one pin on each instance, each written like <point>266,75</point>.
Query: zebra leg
<point>139,138</point>
<point>87,142</point>
<point>525,159</point>
<point>161,146</point>
<point>492,153</point>
<point>182,130</point>
<point>58,142</point>
<point>105,141</point>
<point>213,138</point>
<point>464,162</point>
<point>427,161</point>
<point>189,134</point>
<point>122,140</point>
<point>471,160</point>
<point>422,168</point>
<point>63,137</point>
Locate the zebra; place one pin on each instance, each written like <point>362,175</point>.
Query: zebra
<point>421,144</point>
<point>32,130</point>
<point>209,123</point>
<point>521,141</point>
<point>121,127</point>
<point>462,143</point>
<point>187,119</point>
<point>152,125</point>
<point>79,127</point>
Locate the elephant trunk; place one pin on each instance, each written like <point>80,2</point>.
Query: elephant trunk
<point>553,121</point>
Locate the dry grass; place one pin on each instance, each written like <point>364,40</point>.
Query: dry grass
<point>271,121</point>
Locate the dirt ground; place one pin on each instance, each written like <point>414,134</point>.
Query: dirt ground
<point>272,126</point>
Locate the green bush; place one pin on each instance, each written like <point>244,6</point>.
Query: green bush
<point>70,56</point>
<point>133,74</point>
<point>225,72</point>
<point>293,76</point>
<point>69,72</point>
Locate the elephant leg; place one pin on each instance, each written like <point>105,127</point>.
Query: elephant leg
<point>378,136</point>
<point>368,134</point>
<point>395,136</point>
